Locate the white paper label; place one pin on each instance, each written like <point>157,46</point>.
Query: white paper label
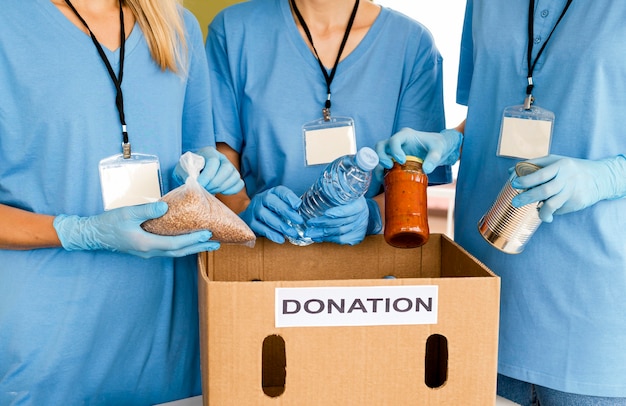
<point>325,145</point>
<point>356,306</point>
<point>525,139</point>
<point>129,185</point>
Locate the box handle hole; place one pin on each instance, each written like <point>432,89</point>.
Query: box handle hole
<point>273,366</point>
<point>436,363</point>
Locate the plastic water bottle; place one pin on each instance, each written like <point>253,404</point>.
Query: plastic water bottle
<point>345,179</point>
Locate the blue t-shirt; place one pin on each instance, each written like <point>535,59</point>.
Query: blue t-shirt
<point>96,328</point>
<point>563,309</point>
<point>267,84</point>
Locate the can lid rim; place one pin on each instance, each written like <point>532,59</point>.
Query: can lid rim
<point>525,168</point>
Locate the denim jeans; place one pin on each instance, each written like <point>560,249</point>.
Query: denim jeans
<point>527,394</point>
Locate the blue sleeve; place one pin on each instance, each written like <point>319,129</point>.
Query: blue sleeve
<point>422,104</point>
<point>466,58</point>
<point>225,102</point>
<point>197,124</point>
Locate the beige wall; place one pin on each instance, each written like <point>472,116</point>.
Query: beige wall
<point>205,10</point>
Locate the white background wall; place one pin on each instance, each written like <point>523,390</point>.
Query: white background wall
<point>444,19</point>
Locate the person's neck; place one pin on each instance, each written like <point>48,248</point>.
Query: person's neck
<point>102,16</point>
<point>325,15</point>
<point>92,6</point>
<point>327,22</point>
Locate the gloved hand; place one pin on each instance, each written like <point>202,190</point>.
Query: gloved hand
<point>375,220</point>
<point>436,149</point>
<point>270,212</point>
<point>565,185</point>
<point>120,230</point>
<point>345,224</point>
<point>218,176</point>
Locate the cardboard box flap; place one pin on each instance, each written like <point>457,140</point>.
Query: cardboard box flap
<point>371,259</point>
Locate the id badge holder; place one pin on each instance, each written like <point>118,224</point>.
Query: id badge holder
<point>525,132</point>
<point>328,139</point>
<point>130,181</point>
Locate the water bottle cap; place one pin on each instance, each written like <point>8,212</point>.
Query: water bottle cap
<point>366,159</point>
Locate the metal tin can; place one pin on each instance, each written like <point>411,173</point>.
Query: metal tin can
<point>406,209</point>
<point>509,228</point>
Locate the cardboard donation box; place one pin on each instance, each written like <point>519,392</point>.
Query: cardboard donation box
<point>329,324</point>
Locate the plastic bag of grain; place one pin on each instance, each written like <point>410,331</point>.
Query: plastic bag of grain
<point>192,208</point>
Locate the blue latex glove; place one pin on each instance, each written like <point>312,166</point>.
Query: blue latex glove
<point>346,224</point>
<point>218,176</point>
<point>565,185</point>
<point>435,149</point>
<point>120,230</point>
<point>375,220</point>
<point>270,212</point>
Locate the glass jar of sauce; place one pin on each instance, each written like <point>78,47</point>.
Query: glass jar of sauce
<point>406,209</point>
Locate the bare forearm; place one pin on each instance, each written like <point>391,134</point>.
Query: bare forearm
<point>240,201</point>
<point>461,127</point>
<point>23,230</point>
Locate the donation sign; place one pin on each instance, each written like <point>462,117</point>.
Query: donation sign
<point>356,306</point>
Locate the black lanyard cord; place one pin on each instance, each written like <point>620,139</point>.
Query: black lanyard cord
<point>328,77</point>
<point>529,54</point>
<point>117,80</point>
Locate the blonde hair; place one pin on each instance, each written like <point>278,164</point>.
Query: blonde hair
<point>161,22</point>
